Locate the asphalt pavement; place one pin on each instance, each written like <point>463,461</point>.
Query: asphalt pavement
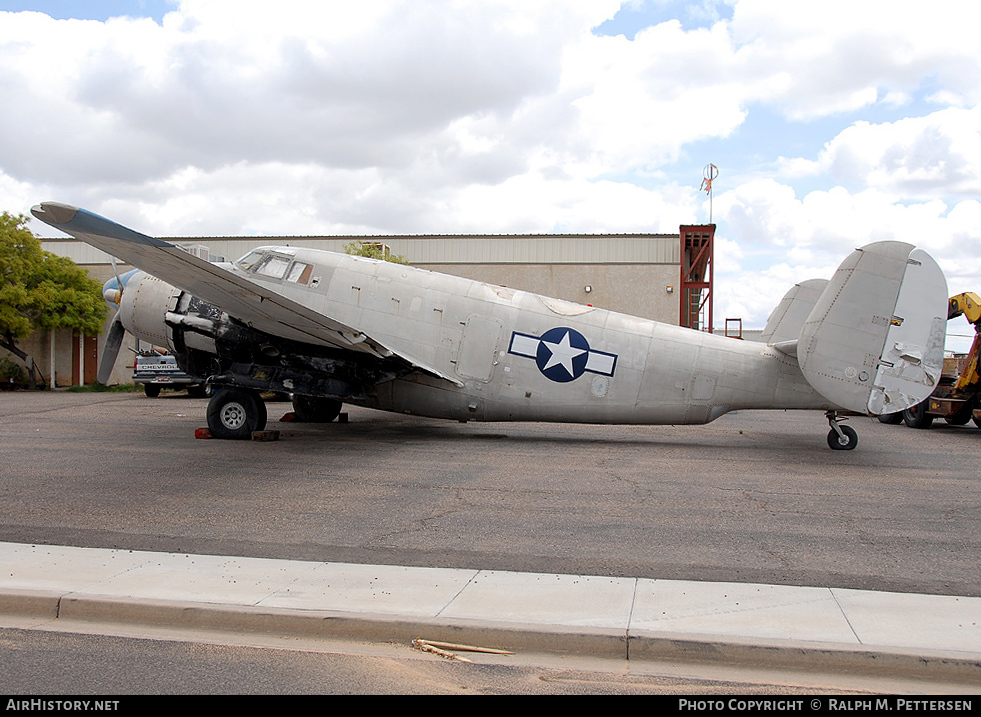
<point>731,530</point>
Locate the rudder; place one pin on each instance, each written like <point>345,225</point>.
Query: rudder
<point>873,343</point>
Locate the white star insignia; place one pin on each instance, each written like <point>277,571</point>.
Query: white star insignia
<point>562,353</point>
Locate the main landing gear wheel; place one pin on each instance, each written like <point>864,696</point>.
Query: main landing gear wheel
<point>200,390</point>
<point>151,390</point>
<point>234,413</point>
<point>313,409</point>
<point>891,418</point>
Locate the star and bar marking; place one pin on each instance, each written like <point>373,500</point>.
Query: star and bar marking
<point>562,354</point>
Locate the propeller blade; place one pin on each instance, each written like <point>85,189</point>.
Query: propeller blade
<point>115,270</point>
<point>114,340</point>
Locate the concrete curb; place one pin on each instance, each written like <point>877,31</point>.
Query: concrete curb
<point>48,609</point>
<point>38,604</point>
<point>880,662</point>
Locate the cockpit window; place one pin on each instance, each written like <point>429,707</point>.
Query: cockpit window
<point>273,266</point>
<point>249,260</point>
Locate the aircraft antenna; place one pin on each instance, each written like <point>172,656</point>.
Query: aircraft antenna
<point>709,173</point>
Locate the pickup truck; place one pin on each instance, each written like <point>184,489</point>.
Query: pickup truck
<point>157,370</point>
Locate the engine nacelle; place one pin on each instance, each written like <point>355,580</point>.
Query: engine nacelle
<point>143,308</point>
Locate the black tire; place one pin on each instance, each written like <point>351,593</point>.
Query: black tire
<point>917,417</point>
<point>313,409</point>
<point>891,418</point>
<point>961,417</point>
<point>151,390</point>
<point>843,443</point>
<point>234,413</point>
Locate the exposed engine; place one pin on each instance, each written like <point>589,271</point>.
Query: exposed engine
<point>210,345</point>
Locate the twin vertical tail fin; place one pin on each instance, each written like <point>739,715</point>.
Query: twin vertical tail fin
<point>873,339</point>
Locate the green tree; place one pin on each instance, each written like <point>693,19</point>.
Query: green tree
<point>374,250</point>
<point>40,290</point>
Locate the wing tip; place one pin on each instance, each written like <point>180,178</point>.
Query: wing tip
<point>54,212</point>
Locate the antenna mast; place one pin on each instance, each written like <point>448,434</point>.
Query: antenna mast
<point>708,176</point>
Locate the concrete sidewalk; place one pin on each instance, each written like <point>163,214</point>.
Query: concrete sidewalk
<point>930,637</point>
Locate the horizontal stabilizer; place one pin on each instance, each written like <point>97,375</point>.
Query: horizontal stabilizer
<point>788,348</point>
<point>873,343</point>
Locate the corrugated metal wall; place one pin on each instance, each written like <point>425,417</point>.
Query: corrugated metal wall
<point>440,249</point>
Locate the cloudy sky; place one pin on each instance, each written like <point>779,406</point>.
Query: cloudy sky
<point>833,123</point>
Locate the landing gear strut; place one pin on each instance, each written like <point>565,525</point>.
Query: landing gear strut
<point>234,413</point>
<point>841,437</point>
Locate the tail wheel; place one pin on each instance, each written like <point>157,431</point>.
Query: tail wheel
<point>845,442</point>
<point>234,413</point>
<point>151,390</point>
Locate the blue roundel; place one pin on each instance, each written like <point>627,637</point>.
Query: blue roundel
<point>562,354</point>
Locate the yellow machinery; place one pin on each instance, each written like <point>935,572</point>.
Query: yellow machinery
<point>968,305</point>
<point>956,398</point>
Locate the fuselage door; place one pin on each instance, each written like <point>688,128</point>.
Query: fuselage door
<point>479,347</point>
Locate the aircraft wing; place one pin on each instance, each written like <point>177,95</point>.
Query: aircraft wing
<point>247,301</point>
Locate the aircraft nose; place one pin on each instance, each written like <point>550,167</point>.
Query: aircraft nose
<point>112,290</point>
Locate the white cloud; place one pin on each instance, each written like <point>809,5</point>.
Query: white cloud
<point>447,92</point>
<point>844,55</point>
<point>219,83</point>
<point>509,116</point>
<point>936,155</point>
<point>814,233</point>
<point>640,101</point>
<point>17,197</point>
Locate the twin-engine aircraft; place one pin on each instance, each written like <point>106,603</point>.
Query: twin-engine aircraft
<point>331,328</point>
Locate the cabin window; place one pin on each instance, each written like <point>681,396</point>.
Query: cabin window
<point>273,266</point>
<point>300,273</point>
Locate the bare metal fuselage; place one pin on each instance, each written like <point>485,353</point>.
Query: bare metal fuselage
<point>507,355</point>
